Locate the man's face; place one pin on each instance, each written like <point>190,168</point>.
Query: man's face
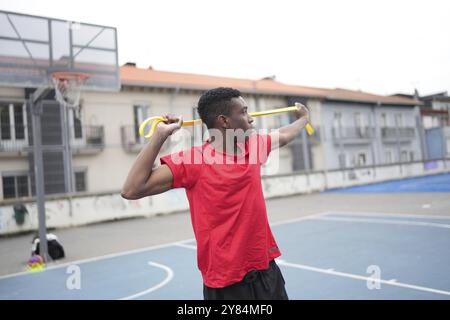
<point>239,117</point>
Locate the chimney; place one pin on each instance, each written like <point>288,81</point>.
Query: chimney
<point>269,78</point>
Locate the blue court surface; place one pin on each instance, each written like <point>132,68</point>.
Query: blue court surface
<point>434,183</point>
<point>333,255</point>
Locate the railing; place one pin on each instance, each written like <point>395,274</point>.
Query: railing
<point>400,132</point>
<point>356,134</point>
<point>87,138</point>
<point>13,139</point>
<point>131,141</point>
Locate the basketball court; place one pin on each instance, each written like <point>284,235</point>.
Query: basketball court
<point>335,254</point>
<point>342,249</point>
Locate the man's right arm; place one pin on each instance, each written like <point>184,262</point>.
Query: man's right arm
<point>142,180</point>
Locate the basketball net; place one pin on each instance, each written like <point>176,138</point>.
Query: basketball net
<point>68,89</point>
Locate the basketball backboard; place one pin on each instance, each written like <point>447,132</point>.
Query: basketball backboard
<point>32,48</point>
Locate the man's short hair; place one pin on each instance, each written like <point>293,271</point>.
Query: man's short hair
<point>215,102</point>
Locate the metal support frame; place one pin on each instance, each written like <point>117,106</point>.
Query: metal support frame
<point>36,111</point>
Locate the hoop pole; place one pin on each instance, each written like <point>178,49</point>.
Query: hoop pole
<point>36,110</point>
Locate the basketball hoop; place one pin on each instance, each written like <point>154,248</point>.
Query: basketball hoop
<point>68,89</point>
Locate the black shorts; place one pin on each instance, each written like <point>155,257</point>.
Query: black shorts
<point>266,284</point>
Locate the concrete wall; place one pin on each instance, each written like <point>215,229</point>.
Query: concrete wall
<point>68,212</point>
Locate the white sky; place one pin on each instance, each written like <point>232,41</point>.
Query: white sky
<point>375,46</point>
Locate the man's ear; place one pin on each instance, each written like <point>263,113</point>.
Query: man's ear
<point>223,121</point>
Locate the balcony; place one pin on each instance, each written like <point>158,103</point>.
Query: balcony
<point>13,140</point>
<point>394,134</point>
<point>87,139</point>
<point>352,135</point>
<point>131,141</point>
<point>84,140</point>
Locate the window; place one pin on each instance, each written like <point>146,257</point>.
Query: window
<point>337,124</point>
<point>404,156</point>
<point>399,120</point>
<point>388,156</point>
<point>197,130</point>
<point>140,113</point>
<point>411,156</point>
<point>384,120</point>
<point>337,120</point>
<point>342,160</point>
<point>358,120</point>
<point>4,123</point>
<point>80,181</point>
<point>77,128</point>
<point>9,187</point>
<point>360,125</point>
<point>361,159</point>
<point>16,186</point>
<point>12,121</point>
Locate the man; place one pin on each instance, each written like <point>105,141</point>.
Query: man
<point>235,246</point>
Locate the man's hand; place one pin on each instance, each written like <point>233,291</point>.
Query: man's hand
<point>302,111</point>
<point>168,127</point>
<point>286,134</point>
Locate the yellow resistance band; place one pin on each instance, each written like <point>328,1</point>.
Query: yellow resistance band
<point>188,123</point>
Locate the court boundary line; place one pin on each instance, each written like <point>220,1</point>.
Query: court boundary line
<point>183,244</point>
<point>384,221</point>
<point>168,278</point>
<point>101,257</point>
<point>385,214</point>
<point>187,246</point>
<point>331,271</point>
<point>392,282</point>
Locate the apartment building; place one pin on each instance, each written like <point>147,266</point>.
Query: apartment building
<point>367,130</point>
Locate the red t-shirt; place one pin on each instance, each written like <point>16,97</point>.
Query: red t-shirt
<point>228,212</point>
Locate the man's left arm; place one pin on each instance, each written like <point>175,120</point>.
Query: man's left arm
<point>286,134</point>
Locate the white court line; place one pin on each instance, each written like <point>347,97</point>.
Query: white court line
<point>392,282</point>
<point>183,245</point>
<point>396,215</point>
<point>308,217</point>
<point>384,221</point>
<point>103,257</point>
<point>158,286</point>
